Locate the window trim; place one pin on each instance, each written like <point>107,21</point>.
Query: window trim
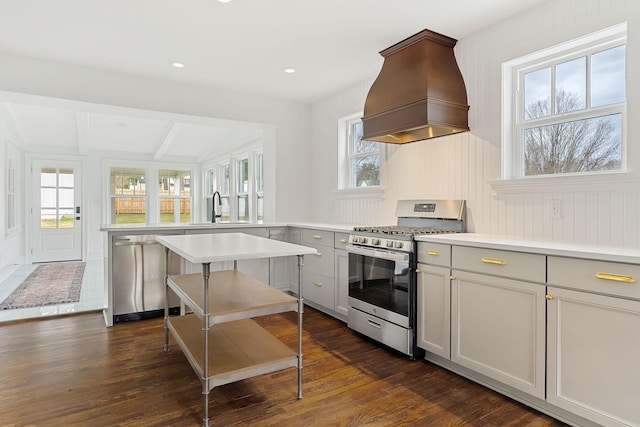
<point>512,152</point>
<point>13,173</point>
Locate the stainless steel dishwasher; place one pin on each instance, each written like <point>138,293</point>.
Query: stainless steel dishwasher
<point>138,278</point>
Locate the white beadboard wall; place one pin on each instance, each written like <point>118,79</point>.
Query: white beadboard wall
<point>463,165</point>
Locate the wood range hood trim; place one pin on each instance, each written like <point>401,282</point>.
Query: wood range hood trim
<point>419,93</point>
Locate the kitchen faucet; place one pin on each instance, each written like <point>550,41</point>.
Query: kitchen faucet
<point>215,216</point>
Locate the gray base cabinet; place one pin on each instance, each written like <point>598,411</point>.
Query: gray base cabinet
<point>434,310</point>
<point>498,329</point>
<point>593,339</point>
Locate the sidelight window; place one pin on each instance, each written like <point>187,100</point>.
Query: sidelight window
<point>568,107</point>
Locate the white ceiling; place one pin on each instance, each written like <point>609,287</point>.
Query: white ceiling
<point>241,45</point>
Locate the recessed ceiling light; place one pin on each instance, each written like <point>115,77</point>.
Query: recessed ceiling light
<point>177,64</point>
<point>289,70</point>
<point>224,1</point>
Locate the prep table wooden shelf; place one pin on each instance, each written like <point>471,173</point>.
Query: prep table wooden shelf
<point>241,349</point>
<point>235,296</point>
<point>219,339</point>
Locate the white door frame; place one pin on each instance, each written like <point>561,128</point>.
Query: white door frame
<point>29,197</point>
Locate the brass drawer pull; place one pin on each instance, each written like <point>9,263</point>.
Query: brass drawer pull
<point>496,261</point>
<point>317,283</point>
<point>343,240</point>
<point>615,277</point>
<point>318,254</point>
<point>549,297</point>
<point>418,270</point>
<point>317,236</point>
<point>433,253</point>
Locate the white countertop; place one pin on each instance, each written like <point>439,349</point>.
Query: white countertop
<point>224,225</point>
<point>205,248</point>
<point>604,253</point>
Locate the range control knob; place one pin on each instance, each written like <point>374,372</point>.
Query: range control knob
<point>375,242</point>
<point>363,240</point>
<point>398,245</point>
<point>389,243</point>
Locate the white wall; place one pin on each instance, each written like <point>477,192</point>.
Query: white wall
<point>462,166</point>
<point>286,125</point>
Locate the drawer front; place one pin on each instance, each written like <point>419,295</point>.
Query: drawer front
<point>316,237</point>
<point>603,277</point>
<point>380,330</point>
<point>434,253</point>
<point>319,289</point>
<point>322,262</point>
<point>341,240</point>
<point>515,265</point>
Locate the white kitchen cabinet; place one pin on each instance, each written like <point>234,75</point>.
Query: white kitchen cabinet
<point>498,323</point>
<point>593,340</point>
<point>341,275</point>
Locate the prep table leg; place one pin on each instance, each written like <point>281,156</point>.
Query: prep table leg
<point>206,268</point>
<point>300,311</point>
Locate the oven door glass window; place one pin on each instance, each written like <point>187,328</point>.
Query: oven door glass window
<point>380,282</point>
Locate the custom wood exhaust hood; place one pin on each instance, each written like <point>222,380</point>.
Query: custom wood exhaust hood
<point>419,93</point>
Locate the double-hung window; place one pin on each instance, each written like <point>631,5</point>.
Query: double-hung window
<point>175,195</point>
<point>128,195</point>
<point>259,179</point>
<point>359,159</point>
<point>568,108</point>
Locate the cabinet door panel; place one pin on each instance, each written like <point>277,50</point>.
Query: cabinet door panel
<point>594,354</point>
<point>434,309</point>
<point>498,329</point>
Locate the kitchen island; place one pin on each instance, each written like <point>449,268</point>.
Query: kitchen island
<point>220,341</point>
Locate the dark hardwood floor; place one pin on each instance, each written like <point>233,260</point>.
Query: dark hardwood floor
<point>73,371</point>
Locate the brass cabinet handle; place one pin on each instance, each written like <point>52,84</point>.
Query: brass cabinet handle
<point>418,270</point>
<point>496,261</point>
<point>615,277</point>
<point>452,277</point>
<point>317,236</point>
<point>343,240</point>
<point>433,253</point>
<point>549,297</point>
<point>317,283</point>
<point>318,254</point>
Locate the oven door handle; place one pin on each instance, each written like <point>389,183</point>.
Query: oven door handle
<point>375,253</point>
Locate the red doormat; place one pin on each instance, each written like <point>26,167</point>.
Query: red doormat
<point>48,284</point>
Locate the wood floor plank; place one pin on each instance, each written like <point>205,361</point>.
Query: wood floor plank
<point>73,371</point>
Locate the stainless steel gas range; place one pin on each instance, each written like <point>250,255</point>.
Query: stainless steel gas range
<point>382,270</point>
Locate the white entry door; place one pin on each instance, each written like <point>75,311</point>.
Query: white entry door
<point>56,211</point>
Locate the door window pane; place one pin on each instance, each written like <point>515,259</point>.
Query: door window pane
<point>57,201</point>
